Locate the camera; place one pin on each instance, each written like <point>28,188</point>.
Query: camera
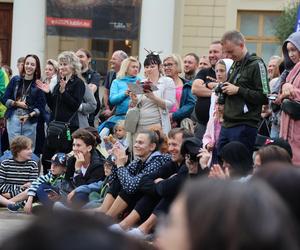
<point>193,157</point>
<point>220,94</point>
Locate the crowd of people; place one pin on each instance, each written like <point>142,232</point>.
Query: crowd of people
<point>198,153</point>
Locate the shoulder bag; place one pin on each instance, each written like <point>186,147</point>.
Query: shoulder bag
<point>292,107</point>
<point>59,134</point>
<point>132,118</point>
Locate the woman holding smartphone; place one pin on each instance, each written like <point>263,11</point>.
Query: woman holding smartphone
<point>24,101</point>
<point>155,105</point>
<point>65,100</point>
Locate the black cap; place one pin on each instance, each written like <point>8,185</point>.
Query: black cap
<point>60,159</point>
<point>191,146</point>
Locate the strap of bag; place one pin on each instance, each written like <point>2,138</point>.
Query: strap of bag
<point>295,77</point>
<point>264,121</point>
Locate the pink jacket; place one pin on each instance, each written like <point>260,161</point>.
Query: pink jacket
<point>212,132</point>
<point>289,128</point>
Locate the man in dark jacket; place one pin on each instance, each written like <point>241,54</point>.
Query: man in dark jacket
<point>246,91</point>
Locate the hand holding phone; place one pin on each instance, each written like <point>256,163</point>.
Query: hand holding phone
<point>50,190</point>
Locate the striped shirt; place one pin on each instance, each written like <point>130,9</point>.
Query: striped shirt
<point>14,174</point>
<point>57,182</point>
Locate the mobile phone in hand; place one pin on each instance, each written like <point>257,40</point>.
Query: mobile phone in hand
<point>49,190</point>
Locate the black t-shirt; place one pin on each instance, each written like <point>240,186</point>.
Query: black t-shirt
<point>24,89</point>
<point>111,75</point>
<point>203,103</point>
<point>93,77</point>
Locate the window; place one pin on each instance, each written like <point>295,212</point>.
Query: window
<point>103,49</point>
<point>258,29</point>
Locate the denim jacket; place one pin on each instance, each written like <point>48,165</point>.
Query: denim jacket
<point>36,100</point>
<point>187,102</point>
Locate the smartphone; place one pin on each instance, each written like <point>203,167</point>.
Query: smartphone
<point>272,97</point>
<point>49,190</point>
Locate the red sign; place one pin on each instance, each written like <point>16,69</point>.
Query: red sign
<point>69,22</point>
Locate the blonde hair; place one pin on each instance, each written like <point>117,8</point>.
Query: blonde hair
<point>53,63</point>
<point>178,61</point>
<point>120,123</point>
<point>71,58</point>
<point>125,65</point>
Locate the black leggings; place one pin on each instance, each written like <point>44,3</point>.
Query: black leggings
<point>116,190</point>
<point>148,205</point>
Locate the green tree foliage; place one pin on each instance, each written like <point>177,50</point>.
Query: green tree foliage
<point>285,24</point>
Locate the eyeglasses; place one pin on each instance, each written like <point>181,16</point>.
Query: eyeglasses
<point>168,65</point>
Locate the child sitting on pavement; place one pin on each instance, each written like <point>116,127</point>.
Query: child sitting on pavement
<point>47,188</point>
<point>17,173</point>
<point>95,192</point>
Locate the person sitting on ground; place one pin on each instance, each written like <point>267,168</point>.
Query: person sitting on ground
<point>269,154</point>
<point>97,190</point>
<point>161,187</point>
<point>237,162</point>
<point>85,166</point>
<point>17,173</point>
<point>47,188</point>
<point>216,214</point>
<point>124,190</point>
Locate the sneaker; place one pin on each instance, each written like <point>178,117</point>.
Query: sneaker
<point>14,208</point>
<point>37,208</point>
<point>136,233</point>
<point>116,228</point>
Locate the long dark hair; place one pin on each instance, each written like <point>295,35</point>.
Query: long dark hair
<point>37,73</point>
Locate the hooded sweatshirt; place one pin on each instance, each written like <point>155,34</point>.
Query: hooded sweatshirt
<point>294,38</point>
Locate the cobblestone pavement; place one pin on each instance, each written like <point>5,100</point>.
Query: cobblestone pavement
<point>10,223</point>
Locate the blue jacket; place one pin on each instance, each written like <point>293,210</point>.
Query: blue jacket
<point>36,99</point>
<point>117,95</point>
<point>187,103</point>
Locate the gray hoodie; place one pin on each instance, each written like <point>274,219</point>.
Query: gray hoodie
<point>294,38</point>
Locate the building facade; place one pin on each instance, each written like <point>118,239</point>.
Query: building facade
<point>170,26</point>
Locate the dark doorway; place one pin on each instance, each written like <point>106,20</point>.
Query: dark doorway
<point>6,14</point>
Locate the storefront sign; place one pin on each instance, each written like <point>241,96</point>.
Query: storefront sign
<point>102,19</point>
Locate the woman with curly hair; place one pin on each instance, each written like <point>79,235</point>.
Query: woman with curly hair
<point>65,100</point>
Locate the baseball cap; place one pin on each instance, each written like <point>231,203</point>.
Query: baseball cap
<point>59,159</point>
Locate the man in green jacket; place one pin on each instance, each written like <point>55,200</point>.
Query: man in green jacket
<point>245,92</point>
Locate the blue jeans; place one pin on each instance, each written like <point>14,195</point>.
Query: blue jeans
<point>43,196</point>
<point>15,128</point>
<point>242,133</point>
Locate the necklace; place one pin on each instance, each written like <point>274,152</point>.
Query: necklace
<point>24,92</point>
